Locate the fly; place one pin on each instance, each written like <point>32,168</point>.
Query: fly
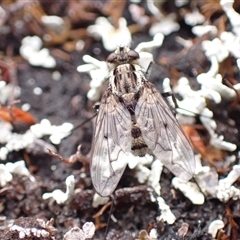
<point>134,118</point>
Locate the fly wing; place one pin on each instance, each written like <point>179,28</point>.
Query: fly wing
<point>111,144</point>
<point>163,134</point>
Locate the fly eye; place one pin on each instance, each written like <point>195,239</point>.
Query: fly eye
<point>133,55</point>
<point>112,57</point>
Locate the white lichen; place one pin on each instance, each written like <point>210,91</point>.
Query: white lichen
<point>55,23</point>
<point>149,46</point>
<point>98,71</point>
<point>58,195</point>
<point>194,18</point>
<point>7,90</point>
<point>143,173</point>
<point>200,30</point>
<point>154,8</point>
<point>16,142</point>
<point>32,228</point>
<point>190,190</point>
<point>86,233</point>
<point>233,16</point>
<point>57,133</point>
<point>5,175</point>
<point>31,49</point>
<point>18,168</point>
<point>166,213</point>
<point>155,175</point>
<point>215,83</point>
<point>165,25</point>
<point>215,48</point>
<point>194,102</point>
<point>135,160</point>
<point>218,142</point>
<point>231,43</point>
<point>111,36</point>
<point>180,3</point>
<point>214,227</point>
<point>6,131</point>
<point>28,232</point>
<point>225,189</point>
<point>3,153</point>
<point>145,50</point>
<point>138,15</point>
<point>207,179</point>
<point>99,200</point>
<point>152,176</point>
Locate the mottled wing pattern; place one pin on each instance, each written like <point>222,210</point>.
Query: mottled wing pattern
<point>111,144</point>
<point>163,134</point>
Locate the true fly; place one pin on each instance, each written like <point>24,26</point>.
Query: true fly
<point>134,118</point>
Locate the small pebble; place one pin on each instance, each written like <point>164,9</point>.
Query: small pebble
<point>56,76</point>
<point>37,91</point>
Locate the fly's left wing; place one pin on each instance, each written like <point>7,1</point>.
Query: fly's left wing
<point>111,144</point>
<point>163,134</point>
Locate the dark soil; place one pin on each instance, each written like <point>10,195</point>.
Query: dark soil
<point>66,101</point>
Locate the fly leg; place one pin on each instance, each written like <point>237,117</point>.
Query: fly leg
<point>171,101</point>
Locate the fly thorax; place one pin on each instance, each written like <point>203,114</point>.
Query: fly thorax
<point>129,100</point>
<point>125,79</point>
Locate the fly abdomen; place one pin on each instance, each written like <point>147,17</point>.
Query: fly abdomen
<point>136,132</point>
<point>139,147</point>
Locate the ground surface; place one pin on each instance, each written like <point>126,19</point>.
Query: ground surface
<point>65,101</point>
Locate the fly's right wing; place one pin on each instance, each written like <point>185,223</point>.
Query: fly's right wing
<point>163,134</point>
